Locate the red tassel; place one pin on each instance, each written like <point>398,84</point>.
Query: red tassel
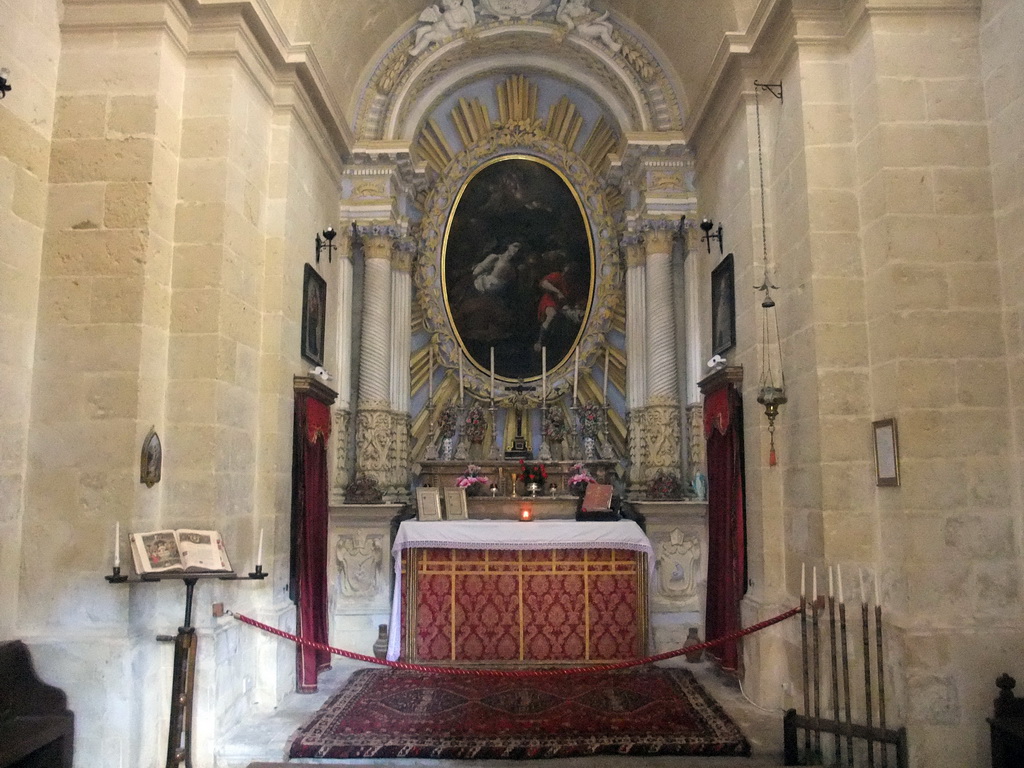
<point>771,458</point>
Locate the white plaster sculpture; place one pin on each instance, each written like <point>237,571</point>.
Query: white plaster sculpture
<point>440,24</point>
<point>577,15</point>
<point>514,9</point>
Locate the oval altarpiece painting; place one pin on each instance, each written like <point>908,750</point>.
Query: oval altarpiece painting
<point>518,266</point>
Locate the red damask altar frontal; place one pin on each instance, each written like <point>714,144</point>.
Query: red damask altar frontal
<point>544,606</point>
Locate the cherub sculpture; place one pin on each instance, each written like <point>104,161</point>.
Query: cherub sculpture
<point>440,24</point>
<point>578,15</point>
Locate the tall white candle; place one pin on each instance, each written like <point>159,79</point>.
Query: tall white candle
<point>604,390</point>
<point>831,592</point>
<point>878,599</point>
<point>492,374</point>
<point>462,387</point>
<point>575,374</point>
<point>863,589</point>
<point>814,584</point>
<point>839,583</point>
<point>259,550</point>
<point>117,544</point>
<point>544,374</point>
<point>430,374</point>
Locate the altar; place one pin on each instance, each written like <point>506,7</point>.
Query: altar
<point>541,592</point>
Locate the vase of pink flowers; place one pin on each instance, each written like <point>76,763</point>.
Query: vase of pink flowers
<point>473,480</point>
<point>579,479</point>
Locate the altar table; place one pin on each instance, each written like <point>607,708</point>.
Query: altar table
<point>539,592</point>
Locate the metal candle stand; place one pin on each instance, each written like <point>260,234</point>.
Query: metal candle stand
<point>179,733</point>
<point>814,725</point>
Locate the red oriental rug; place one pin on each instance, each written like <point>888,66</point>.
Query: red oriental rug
<point>382,713</point>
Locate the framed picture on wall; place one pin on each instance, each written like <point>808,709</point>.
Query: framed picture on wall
<point>887,457</point>
<point>723,307</point>
<point>314,315</point>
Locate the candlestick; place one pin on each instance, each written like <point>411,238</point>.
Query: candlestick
<point>839,582</point>
<point>430,375</point>
<point>604,389</point>
<point>544,374</point>
<point>575,374</point>
<point>863,589</point>
<point>117,544</point>
<point>259,551</point>
<point>492,374</point>
<point>803,580</point>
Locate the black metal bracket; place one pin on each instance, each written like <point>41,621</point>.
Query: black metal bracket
<point>775,89</point>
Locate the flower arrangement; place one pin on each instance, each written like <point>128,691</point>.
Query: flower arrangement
<point>590,419</point>
<point>447,420</point>
<point>665,486</point>
<point>473,479</point>
<point>579,478</point>
<point>533,473</point>
<point>554,428</point>
<point>474,426</point>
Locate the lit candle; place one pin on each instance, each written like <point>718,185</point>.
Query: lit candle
<point>814,584</point>
<point>117,544</point>
<point>259,550</point>
<point>526,514</point>
<point>604,391</point>
<point>492,374</point>
<point>831,593</point>
<point>839,583</point>
<point>430,375</point>
<point>803,580</point>
<point>543,374</point>
<point>575,374</point>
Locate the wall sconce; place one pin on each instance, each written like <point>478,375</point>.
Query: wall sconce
<point>706,225</point>
<point>4,85</point>
<point>329,235</point>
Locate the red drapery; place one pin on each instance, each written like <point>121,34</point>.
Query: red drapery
<point>727,559</point>
<point>309,530</point>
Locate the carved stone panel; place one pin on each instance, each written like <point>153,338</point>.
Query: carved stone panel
<point>361,569</point>
<point>678,566</point>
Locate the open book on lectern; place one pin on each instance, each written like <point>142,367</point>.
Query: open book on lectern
<point>179,551</point>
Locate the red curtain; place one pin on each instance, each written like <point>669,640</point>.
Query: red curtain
<point>309,536</point>
<point>727,554</point>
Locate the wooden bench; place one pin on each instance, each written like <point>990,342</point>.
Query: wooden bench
<point>1007,726</point>
<point>36,727</point>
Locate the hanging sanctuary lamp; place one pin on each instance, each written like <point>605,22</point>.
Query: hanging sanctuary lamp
<point>771,392</point>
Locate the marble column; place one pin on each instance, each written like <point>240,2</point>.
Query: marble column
<point>662,430</point>
<point>342,411</point>
<point>636,350</point>
<point>374,420</point>
<point>401,322</point>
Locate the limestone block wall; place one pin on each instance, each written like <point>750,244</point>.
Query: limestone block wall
<point>30,43</point>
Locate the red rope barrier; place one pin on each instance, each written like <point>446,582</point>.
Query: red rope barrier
<point>517,672</point>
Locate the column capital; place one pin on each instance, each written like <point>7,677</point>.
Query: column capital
<point>378,240</point>
<point>403,254</point>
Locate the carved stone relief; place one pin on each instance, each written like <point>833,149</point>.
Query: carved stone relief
<point>678,562</point>
<point>361,565</point>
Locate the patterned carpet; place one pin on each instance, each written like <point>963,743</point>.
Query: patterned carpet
<point>391,713</point>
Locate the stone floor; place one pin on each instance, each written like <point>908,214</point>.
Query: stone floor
<point>261,742</point>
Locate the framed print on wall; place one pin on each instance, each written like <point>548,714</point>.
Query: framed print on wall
<point>887,458</point>
<point>723,307</point>
<point>314,315</point>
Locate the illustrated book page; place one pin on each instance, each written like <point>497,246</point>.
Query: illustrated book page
<point>179,551</point>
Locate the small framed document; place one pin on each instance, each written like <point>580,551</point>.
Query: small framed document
<point>455,504</point>
<point>428,504</point>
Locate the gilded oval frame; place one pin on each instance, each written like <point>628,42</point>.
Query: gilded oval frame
<point>517,266</point>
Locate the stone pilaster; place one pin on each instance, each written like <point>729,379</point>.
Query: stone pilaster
<point>401,318</point>
<point>636,352</point>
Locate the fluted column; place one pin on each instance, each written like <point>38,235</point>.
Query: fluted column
<point>342,416</point>
<point>374,422</point>
<point>662,415</point>
<point>636,355</point>
<point>401,324</point>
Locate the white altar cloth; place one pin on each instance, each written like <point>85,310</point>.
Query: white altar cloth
<point>508,535</point>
